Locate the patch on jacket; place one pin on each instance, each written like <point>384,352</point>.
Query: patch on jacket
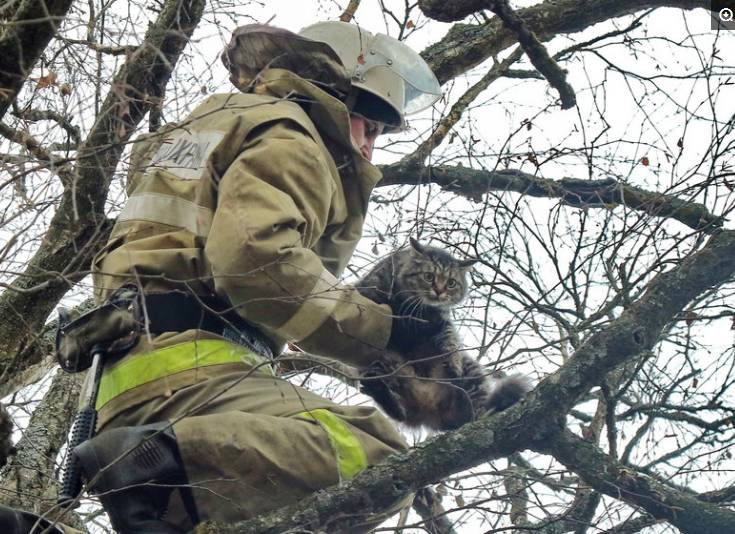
<point>184,153</point>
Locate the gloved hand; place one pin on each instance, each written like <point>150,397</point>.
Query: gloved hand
<point>408,330</point>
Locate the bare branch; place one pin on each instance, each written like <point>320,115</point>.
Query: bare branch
<point>35,115</point>
<point>535,51</point>
<point>349,13</point>
<point>62,168</point>
<point>30,472</point>
<point>455,114</point>
<point>537,422</point>
<point>23,40</point>
<point>79,225</point>
<point>607,193</point>
<point>688,513</point>
<point>466,45</point>
<point>104,49</point>
<point>427,505</point>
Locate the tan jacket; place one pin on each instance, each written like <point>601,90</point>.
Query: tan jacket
<point>261,201</point>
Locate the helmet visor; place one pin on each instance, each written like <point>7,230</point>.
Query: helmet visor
<point>422,88</point>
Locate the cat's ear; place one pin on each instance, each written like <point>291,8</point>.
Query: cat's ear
<point>418,247</point>
<point>468,263</point>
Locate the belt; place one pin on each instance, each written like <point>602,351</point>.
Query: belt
<point>177,311</point>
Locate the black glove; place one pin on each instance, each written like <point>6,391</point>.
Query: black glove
<point>408,330</point>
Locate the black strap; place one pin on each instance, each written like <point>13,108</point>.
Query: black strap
<point>177,311</point>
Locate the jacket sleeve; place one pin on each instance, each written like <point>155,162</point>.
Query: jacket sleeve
<point>273,205</point>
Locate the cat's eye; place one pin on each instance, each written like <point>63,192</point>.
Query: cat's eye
<point>429,277</point>
<point>451,283</point>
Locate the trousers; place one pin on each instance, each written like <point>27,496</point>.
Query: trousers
<point>251,442</point>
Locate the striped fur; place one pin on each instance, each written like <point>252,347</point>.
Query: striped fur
<point>434,384</point>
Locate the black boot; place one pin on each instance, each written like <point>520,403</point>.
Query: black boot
<point>134,470</point>
<point>18,522</point>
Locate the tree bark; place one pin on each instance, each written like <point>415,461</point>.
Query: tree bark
<point>27,481</point>
<point>604,193</point>
<point>79,227</point>
<point>22,42</point>
<point>537,422</point>
<point>468,45</point>
<point>685,511</point>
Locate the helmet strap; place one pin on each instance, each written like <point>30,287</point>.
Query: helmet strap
<point>351,98</point>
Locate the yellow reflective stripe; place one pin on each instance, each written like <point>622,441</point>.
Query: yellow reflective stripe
<point>170,210</point>
<point>140,369</point>
<point>316,309</point>
<point>351,456</point>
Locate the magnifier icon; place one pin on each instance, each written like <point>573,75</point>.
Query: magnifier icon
<point>726,14</point>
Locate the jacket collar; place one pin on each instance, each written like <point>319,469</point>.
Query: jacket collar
<point>330,116</point>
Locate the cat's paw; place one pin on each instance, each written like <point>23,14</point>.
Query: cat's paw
<point>375,382</point>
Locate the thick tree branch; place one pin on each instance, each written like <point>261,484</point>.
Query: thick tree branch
<point>79,226</point>
<point>534,423</point>
<point>688,513</point>
<point>60,167</point>
<point>535,51</point>
<point>28,480</point>
<point>468,45</point>
<point>607,193</point>
<point>35,115</point>
<point>631,526</point>
<point>22,41</point>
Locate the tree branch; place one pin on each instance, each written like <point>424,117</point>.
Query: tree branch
<point>56,165</point>
<point>6,434</point>
<point>35,115</point>
<point>468,45</point>
<point>460,106</point>
<point>535,51</point>
<point>688,513</point>
<point>349,13</point>
<point>28,480</point>
<point>23,40</point>
<point>79,226</point>
<point>535,422</point>
<point>607,193</point>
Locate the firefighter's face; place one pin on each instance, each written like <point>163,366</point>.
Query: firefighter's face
<point>364,132</point>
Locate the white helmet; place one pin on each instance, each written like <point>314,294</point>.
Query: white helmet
<point>392,80</point>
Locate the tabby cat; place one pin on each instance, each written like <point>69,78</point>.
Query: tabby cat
<point>430,382</point>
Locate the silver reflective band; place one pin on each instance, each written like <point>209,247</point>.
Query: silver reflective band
<point>169,210</point>
<point>316,309</point>
<point>184,153</point>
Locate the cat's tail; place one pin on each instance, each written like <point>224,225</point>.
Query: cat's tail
<point>506,391</point>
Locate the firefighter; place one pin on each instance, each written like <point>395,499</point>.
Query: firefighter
<point>239,223</point>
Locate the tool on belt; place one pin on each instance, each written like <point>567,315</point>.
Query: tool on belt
<point>111,330</point>
<point>81,343</point>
